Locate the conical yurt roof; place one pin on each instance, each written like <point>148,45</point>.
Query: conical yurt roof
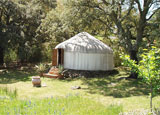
<point>84,43</point>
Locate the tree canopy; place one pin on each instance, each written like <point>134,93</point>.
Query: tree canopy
<point>27,24</point>
<point>19,21</point>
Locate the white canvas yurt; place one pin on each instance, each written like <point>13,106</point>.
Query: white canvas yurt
<point>83,52</point>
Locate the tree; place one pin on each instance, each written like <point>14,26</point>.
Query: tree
<point>53,28</point>
<point>63,22</point>
<point>152,31</point>
<point>29,45</point>
<point>9,25</point>
<point>19,20</point>
<point>127,19</point>
<point>148,69</point>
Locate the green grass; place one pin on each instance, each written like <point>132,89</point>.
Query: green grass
<point>106,89</point>
<point>70,105</point>
<point>5,92</point>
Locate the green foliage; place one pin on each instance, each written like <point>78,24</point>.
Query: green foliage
<point>129,62</point>
<point>152,32</point>
<point>27,24</point>
<point>20,20</point>
<point>10,55</point>
<point>60,69</point>
<point>41,67</point>
<point>46,53</point>
<point>148,68</point>
<point>53,27</point>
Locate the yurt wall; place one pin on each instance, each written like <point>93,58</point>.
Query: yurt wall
<point>88,61</point>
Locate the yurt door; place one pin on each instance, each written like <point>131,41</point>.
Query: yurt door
<point>58,57</point>
<point>54,57</point>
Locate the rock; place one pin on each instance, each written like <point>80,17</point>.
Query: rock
<point>3,71</point>
<point>44,85</point>
<point>113,84</point>
<point>75,87</point>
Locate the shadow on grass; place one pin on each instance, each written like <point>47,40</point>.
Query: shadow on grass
<point>13,76</point>
<point>108,83</point>
<point>112,83</point>
<point>113,86</point>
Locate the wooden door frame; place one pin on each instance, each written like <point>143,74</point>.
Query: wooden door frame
<point>58,57</point>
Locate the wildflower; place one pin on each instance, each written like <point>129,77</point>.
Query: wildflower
<point>19,110</point>
<point>51,97</point>
<point>29,102</point>
<point>15,110</point>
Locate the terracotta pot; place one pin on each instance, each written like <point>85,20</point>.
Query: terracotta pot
<point>51,72</point>
<point>54,71</point>
<point>41,74</point>
<point>36,81</point>
<point>59,75</point>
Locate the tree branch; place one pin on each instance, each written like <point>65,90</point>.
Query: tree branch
<point>94,6</point>
<point>146,7</point>
<point>105,2</point>
<point>153,13</point>
<point>103,22</point>
<point>139,6</point>
<point>123,35</point>
<point>129,10</point>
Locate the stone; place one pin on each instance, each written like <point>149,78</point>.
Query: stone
<point>75,87</point>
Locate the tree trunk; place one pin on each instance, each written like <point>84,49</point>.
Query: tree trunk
<point>151,97</point>
<point>1,56</point>
<point>133,56</point>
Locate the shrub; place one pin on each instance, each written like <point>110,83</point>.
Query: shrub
<point>148,69</point>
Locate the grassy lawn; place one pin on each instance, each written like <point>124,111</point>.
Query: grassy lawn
<point>69,105</point>
<point>105,90</point>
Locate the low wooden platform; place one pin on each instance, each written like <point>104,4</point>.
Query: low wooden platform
<point>50,75</point>
<point>53,73</point>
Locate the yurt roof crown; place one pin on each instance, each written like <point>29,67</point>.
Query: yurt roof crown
<point>84,43</point>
